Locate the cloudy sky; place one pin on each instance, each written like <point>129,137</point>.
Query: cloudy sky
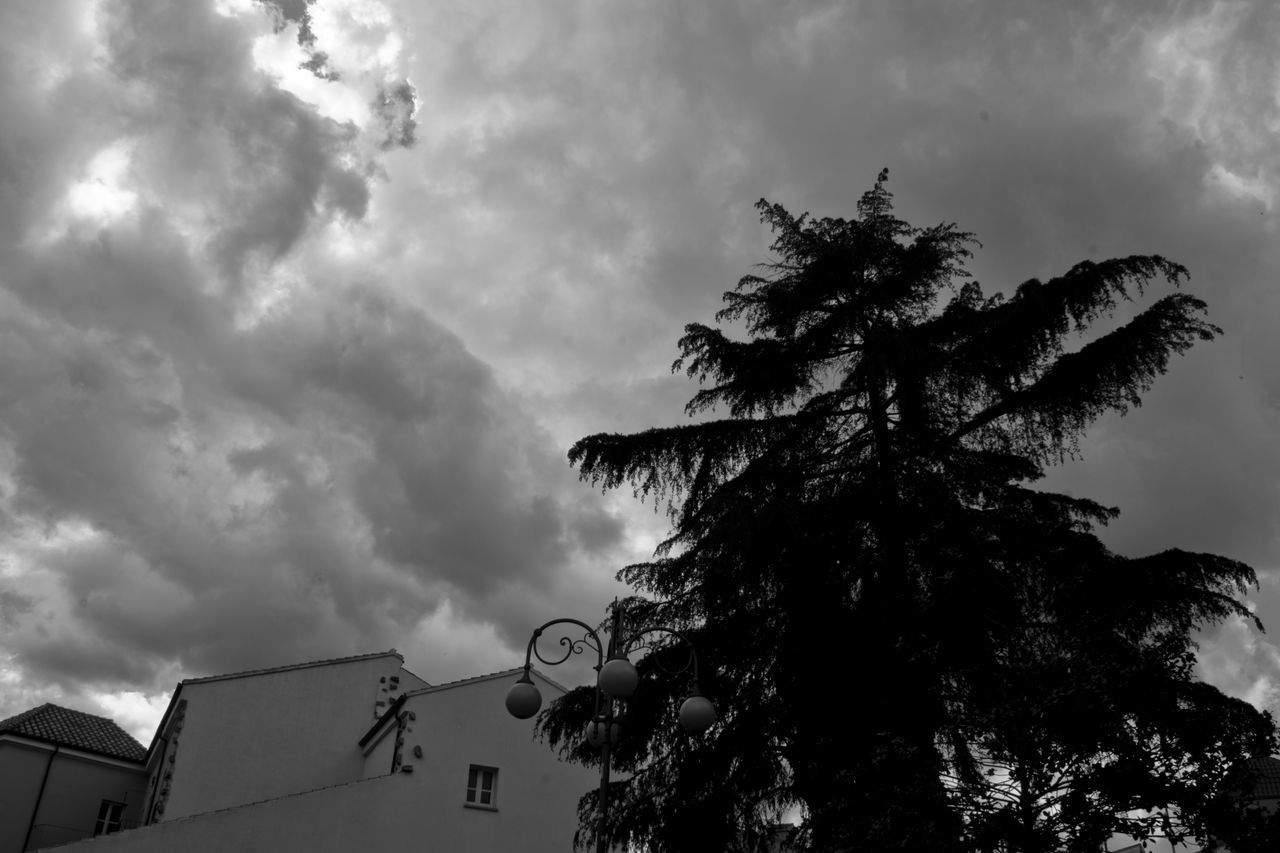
<point>302,303</point>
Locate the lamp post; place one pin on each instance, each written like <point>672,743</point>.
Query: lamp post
<point>616,680</point>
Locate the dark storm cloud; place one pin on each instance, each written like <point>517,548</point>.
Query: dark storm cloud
<point>395,106</point>
<point>13,605</point>
<point>614,154</point>
<point>222,447</point>
<point>273,402</point>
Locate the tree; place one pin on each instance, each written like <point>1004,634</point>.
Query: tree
<point>862,523</point>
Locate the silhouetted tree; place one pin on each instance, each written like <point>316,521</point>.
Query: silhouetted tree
<point>903,637</point>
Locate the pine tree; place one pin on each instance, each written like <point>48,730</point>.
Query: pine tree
<point>905,638</point>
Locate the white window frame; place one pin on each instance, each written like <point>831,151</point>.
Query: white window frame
<point>482,782</point>
<point>110,818</point>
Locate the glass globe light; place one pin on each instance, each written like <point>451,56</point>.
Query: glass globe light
<point>597,733</point>
<point>618,677</point>
<point>697,713</point>
<point>523,699</point>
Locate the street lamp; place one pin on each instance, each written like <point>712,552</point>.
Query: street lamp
<point>616,680</point>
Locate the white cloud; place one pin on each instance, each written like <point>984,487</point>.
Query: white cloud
<point>358,35</point>
<point>1238,661</point>
<point>1221,79</point>
<point>137,713</point>
<point>103,194</point>
<point>279,55</point>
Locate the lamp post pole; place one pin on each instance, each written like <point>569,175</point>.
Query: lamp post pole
<point>607,724</point>
<point>616,680</point>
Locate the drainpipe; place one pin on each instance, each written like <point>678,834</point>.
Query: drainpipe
<point>40,796</point>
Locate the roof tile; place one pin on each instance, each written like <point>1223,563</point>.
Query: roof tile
<point>1266,777</point>
<point>64,726</point>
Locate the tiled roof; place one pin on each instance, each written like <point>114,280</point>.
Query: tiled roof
<point>286,667</point>
<point>64,726</point>
<point>1266,777</point>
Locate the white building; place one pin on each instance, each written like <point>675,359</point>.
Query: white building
<point>66,775</point>
<point>350,754</point>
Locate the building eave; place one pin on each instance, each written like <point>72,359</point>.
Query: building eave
<point>477,679</point>
<point>48,744</point>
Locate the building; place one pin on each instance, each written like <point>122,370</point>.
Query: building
<point>1259,782</point>
<point>1263,774</point>
<point>343,755</point>
<point>229,740</point>
<point>66,775</point>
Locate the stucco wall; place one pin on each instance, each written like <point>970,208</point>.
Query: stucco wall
<point>409,681</point>
<point>380,751</point>
<point>537,795</point>
<point>75,791</point>
<point>420,810</point>
<point>262,736</point>
<point>75,788</point>
<point>21,768</point>
<point>366,815</point>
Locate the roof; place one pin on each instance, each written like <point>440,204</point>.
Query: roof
<point>1266,777</point>
<point>65,727</point>
<point>248,672</point>
<point>449,685</point>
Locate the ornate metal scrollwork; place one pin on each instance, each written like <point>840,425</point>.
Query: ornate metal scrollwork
<point>571,647</point>
<point>590,640</point>
<point>636,642</point>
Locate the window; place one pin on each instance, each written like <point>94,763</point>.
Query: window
<point>482,787</point>
<point>109,815</point>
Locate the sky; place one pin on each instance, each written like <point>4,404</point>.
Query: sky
<point>303,303</point>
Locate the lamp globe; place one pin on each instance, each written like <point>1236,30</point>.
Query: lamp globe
<point>598,732</point>
<point>523,699</point>
<point>697,713</point>
<point>618,677</point>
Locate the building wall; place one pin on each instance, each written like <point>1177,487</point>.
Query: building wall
<point>380,752</point>
<point>256,737</point>
<point>417,809</point>
<point>77,784</point>
<point>409,681</point>
<point>367,815</point>
<point>537,794</point>
<point>21,769</point>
